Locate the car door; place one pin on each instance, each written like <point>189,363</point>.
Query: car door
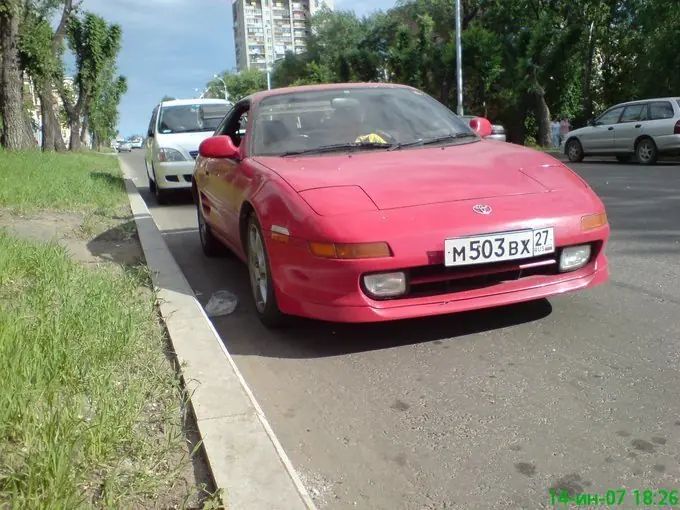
<point>599,137</point>
<point>661,122</point>
<point>632,124</point>
<point>223,178</point>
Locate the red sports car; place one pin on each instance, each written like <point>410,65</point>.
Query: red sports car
<point>373,202</point>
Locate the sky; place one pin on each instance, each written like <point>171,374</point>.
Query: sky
<point>173,47</point>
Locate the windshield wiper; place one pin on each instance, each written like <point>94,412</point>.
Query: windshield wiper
<point>339,147</point>
<point>432,141</point>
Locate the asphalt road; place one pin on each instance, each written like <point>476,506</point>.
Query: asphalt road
<point>479,410</point>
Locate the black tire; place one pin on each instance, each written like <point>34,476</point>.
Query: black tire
<point>160,194</point>
<point>258,263</point>
<point>574,150</point>
<point>646,152</point>
<point>624,158</point>
<point>212,247</point>
<point>152,183</point>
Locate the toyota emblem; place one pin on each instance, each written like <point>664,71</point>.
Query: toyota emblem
<point>482,209</point>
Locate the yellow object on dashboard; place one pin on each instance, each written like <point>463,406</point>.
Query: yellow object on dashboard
<point>371,138</point>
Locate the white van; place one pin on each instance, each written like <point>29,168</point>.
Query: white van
<point>176,130</point>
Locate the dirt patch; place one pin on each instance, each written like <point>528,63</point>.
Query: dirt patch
<point>118,249</point>
<point>118,245</point>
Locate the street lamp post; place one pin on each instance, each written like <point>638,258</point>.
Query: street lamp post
<point>459,59</point>
<point>224,84</point>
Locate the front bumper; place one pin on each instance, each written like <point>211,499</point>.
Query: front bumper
<point>175,175</point>
<point>330,289</point>
<point>505,294</point>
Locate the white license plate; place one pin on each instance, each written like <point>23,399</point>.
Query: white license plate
<point>499,247</point>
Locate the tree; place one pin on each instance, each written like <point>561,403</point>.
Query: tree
<point>239,85</point>
<point>103,108</point>
<point>95,44</point>
<point>16,132</point>
<point>41,57</point>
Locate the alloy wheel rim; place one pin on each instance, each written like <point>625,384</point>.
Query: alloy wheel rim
<point>645,151</point>
<point>573,150</point>
<point>257,266</point>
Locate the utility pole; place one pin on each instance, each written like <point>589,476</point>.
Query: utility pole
<point>459,59</point>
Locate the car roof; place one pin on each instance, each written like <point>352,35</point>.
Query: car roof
<point>180,102</point>
<point>259,96</point>
<point>638,101</point>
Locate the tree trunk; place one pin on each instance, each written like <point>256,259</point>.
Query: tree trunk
<point>74,141</point>
<point>587,104</point>
<point>543,118</point>
<point>84,131</point>
<point>51,129</point>
<point>15,134</point>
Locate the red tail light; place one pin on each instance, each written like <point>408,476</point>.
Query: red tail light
<point>676,130</point>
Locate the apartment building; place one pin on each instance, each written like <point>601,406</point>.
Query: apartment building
<point>264,30</point>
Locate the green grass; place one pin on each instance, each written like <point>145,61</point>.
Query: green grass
<point>89,409</point>
<point>79,182</point>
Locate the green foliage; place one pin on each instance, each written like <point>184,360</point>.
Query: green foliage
<point>521,58</point>
<point>239,85</point>
<point>96,44</point>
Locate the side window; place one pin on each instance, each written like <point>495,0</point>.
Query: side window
<point>633,113</point>
<point>152,123</point>
<point>235,124</point>
<point>661,110</point>
<point>609,117</point>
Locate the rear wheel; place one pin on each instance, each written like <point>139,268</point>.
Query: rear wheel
<point>261,282</point>
<point>646,152</point>
<point>574,151</point>
<point>624,158</point>
<point>212,247</point>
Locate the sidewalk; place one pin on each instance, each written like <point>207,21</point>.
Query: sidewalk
<point>245,457</point>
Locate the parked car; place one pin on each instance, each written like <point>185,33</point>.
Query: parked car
<point>373,202</point>
<point>137,142</point>
<point>176,129</point>
<point>124,146</point>
<point>497,131</point>
<point>641,129</point>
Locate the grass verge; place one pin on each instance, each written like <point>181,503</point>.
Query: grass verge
<point>81,355</point>
<point>84,182</point>
<point>91,411</point>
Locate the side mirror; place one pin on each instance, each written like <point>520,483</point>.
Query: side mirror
<point>481,126</point>
<point>220,147</point>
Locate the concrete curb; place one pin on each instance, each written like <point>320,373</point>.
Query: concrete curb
<point>245,457</point>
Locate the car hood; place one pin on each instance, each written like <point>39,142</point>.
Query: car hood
<point>405,178</point>
<point>186,141</point>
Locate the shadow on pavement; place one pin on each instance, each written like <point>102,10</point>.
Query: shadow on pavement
<point>303,338</point>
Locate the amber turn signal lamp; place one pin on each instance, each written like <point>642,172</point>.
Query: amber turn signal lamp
<point>350,251</point>
<point>593,221</point>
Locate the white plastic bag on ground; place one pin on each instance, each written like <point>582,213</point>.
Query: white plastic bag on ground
<point>221,303</point>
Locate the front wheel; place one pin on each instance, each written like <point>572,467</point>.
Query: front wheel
<point>646,151</point>
<point>160,194</point>
<point>261,282</point>
<point>574,151</point>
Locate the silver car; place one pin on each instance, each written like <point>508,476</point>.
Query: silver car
<point>641,129</point>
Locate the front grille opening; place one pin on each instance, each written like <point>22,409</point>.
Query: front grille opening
<point>460,282</point>
<point>188,177</point>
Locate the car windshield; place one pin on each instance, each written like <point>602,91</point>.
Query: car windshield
<point>191,117</point>
<point>376,118</point>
